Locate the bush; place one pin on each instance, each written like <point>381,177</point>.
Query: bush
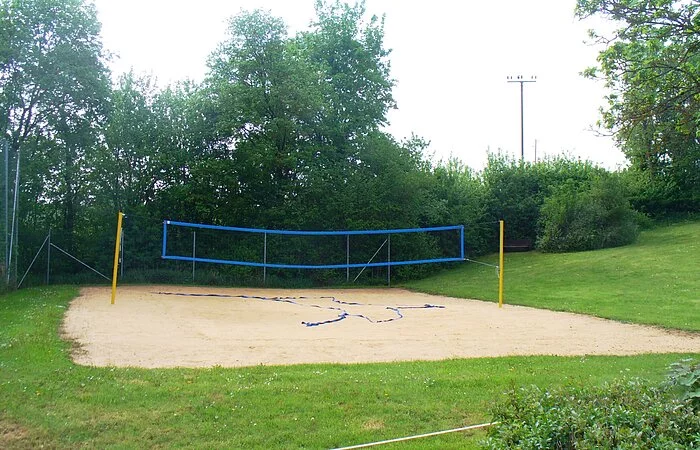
<point>685,377</point>
<point>516,190</point>
<point>595,215</point>
<point>660,197</point>
<point>624,414</point>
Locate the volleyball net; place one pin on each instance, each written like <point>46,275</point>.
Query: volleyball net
<point>288,249</point>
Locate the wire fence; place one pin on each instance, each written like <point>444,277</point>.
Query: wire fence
<point>273,258</point>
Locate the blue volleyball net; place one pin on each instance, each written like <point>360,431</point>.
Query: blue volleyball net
<point>286,249</point>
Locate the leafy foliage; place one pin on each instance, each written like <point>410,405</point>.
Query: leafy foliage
<point>624,414</point>
<point>590,216</point>
<point>53,91</point>
<point>651,65</point>
<point>284,132</point>
<point>685,377</point>
<point>460,196</point>
<point>517,190</point>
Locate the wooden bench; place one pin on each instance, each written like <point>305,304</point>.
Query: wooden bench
<point>517,245</point>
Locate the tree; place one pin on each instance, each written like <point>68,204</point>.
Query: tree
<point>267,100</point>
<point>127,165</point>
<point>459,197</point>
<point>651,65</point>
<point>353,73</point>
<point>356,75</point>
<point>53,90</point>
<point>295,115</point>
<point>52,73</point>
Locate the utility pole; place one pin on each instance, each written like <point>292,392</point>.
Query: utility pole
<point>535,150</point>
<point>520,79</point>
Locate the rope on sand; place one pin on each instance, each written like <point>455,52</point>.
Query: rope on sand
<point>342,314</point>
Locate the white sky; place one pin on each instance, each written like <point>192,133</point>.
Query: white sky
<point>450,59</point>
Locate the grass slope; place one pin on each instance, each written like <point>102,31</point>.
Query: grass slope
<point>48,401</point>
<point>655,281</point>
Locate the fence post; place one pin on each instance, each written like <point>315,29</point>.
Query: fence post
<point>388,253</point>
<point>48,259</point>
<point>6,191</point>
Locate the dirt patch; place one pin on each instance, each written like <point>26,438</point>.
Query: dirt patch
<point>156,326</point>
<point>373,425</point>
<point>12,435</point>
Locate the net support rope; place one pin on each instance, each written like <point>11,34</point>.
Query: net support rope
<point>342,313</point>
<point>497,267</point>
<point>51,244</point>
<point>84,264</point>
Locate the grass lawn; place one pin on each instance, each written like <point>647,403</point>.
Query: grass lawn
<point>655,281</point>
<point>47,400</point>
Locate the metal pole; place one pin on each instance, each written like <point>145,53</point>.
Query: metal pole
<point>522,81</point>
<point>194,251</point>
<point>265,261</point>
<point>14,219</point>
<point>347,258</point>
<point>48,258</point>
<point>388,253</point>
<point>522,123</point>
<point>7,194</point>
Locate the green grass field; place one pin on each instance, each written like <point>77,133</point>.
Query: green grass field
<point>655,281</point>
<point>46,400</point>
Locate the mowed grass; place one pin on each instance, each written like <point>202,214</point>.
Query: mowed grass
<point>46,400</point>
<point>655,281</point>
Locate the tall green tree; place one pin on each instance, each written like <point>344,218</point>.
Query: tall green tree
<point>52,73</point>
<point>356,80</point>
<point>127,167</point>
<point>356,88</point>
<point>651,64</point>
<point>267,100</point>
<point>53,91</point>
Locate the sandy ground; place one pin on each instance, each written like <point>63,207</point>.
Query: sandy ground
<point>146,328</point>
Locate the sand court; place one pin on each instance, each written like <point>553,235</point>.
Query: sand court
<point>181,326</point>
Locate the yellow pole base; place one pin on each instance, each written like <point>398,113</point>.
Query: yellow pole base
<point>116,256</point>
<point>500,264</point>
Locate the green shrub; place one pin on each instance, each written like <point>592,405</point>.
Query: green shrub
<point>685,377</point>
<point>588,216</point>
<point>626,414</point>
<point>516,190</point>
<point>660,197</point>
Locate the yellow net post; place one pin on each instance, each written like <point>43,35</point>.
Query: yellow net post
<point>500,265</point>
<point>116,256</point>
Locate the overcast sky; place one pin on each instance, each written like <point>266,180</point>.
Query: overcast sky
<point>450,59</point>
